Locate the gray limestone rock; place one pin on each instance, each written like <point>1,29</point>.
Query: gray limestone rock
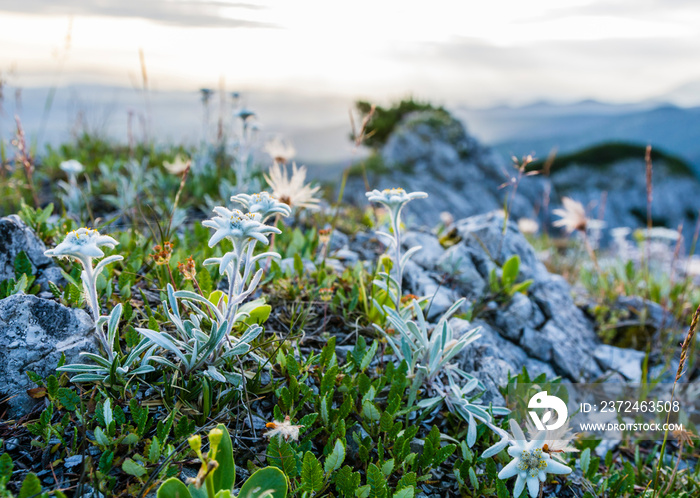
<point>627,362</point>
<point>16,237</point>
<point>34,334</point>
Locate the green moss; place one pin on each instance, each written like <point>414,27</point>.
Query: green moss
<point>384,120</point>
<point>606,154</point>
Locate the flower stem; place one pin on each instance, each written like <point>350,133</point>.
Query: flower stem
<point>90,281</point>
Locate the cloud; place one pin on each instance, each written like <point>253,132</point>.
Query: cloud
<point>182,13</point>
<point>624,69</point>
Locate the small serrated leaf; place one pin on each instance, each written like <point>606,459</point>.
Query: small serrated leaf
<point>336,458</point>
<point>68,398</point>
<point>31,486</point>
<point>311,474</point>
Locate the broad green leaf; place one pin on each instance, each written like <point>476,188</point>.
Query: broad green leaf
<point>336,458</point>
<point>173,488</point>
<point>311,474</point>
<point>225,474</point>
<point>132,468</point>
<point>267,480</point>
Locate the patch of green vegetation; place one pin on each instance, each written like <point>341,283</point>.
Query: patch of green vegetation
<point>384,120</point>
<point>603,155</point>
<point>91,150</point>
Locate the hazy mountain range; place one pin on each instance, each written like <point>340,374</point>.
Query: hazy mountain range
<point>319,125</point>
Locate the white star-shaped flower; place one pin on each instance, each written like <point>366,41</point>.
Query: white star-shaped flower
<point>530,464</point>
<point>263,203</point>
<point>238,227</point>
<point>82,244</point>
<point>394,198</point>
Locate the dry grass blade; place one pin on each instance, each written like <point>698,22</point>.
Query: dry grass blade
<point>685,347</point>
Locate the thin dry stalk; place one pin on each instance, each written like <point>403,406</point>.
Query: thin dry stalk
<point>650,191</point>
<point>686,344</point>
<point>24,158</point>
<point>685,347</point>
<point>177,196</point>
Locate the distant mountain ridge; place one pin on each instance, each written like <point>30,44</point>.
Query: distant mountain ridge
<point>319,125</point>
<point>541,128</point>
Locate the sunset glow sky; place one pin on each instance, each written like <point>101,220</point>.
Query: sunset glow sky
<point>484,52</point>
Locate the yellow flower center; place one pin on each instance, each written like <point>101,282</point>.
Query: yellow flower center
<point>532,462</point>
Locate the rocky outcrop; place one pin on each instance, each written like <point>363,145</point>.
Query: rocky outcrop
<point>34,333</point>
<point>430,151</point>
<point>542,330</point>
<point>16,237</point>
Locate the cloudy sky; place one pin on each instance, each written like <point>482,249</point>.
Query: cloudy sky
<point>481,52</point>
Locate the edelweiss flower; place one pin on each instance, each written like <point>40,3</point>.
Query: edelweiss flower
<point>573,216</point>
<point>283,429</point>
<point>280,150</point>
<point>292,190</point>
<point>530,464</point>
<point>263,204</point>
<point>394,198</point>
<point>237,226</point>
<point>82,244</point>
<point>178,166</point>
<point>72,167</point>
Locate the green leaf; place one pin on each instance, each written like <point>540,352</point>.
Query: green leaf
<point>510,271</point>
<point>68,398</point>
<point>225,474</point>
<point>259,315</point>
<point>501,490</point>
<point>268,480</point>
<point>377,482</point>
<point>281,455</point>
<point>472,478</point>
<point>363,492</point>
<point>328,381</point>
<point>154,450</point>
<point>52,386</point>
<point>101,438</point>
<point>367,358</point>
<point>370,411</point>
<point>388,467</point>
<point>336,458</point>
<point>31,486</point>
<point>23,265</point>
<point>311,474</point>
<point>132,468</point>
<point>6,466</point>
<point>585,460</point>
<point>298,265</point>
<point>173,488</point>
<point>105,463</point>
<point>404,493</point>
<point>292,365</point>
<point>347,481</point>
